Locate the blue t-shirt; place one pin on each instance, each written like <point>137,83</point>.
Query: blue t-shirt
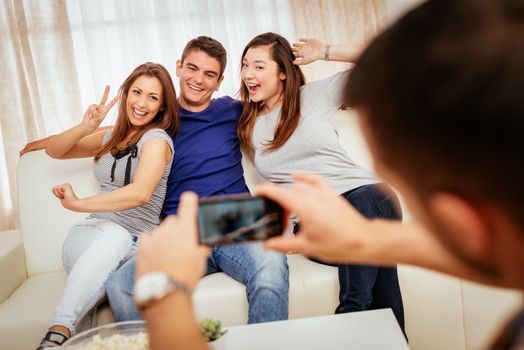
<point>207,156</point>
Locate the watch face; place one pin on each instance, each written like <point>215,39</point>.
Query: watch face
<point>150,287</point>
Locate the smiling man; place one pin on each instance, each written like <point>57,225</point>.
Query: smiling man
<point>207,161</point>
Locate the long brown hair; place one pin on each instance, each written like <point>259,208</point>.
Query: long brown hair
<point>281,53</point>
<point>167,118</point>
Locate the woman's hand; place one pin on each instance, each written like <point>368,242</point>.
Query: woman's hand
<point>308,50</point>
<point>311,50</point>
<point>95,114</point>
<point>67,197</point>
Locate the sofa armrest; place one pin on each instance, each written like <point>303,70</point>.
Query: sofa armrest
<point>12,263</point>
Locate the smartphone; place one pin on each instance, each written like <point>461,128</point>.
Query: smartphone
<point>231,219</point>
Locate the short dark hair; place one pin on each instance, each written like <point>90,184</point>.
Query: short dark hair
<point>210,46</point>
<point>442,93</point>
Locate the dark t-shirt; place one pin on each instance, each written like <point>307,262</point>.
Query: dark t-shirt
<point>207,154</point>
<point>512,336</point>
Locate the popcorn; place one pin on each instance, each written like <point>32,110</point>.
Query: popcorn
<point>139,341</point>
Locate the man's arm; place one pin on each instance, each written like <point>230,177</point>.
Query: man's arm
<point>173,249</point>
<point>332,230</point>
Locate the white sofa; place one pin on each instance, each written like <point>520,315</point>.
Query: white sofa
<point>441,312</point>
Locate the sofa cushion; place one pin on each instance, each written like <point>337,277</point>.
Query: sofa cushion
<point>43,221</point>
<point>486,310</point>
<point>12,262</point>
<point>25,315</point>
<point>313,291</point>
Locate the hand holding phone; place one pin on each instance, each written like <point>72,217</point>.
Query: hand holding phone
<point>238,218</point>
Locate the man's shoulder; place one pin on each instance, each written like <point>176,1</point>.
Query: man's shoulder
<point>226,102</point>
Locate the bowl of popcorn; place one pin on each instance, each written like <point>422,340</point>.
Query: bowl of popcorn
<point>130,335</point>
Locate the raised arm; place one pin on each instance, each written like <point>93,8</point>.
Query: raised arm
<point>42,143</point>
<point>311,50</point>
<point>155,156</point>
<point>36,145</point>
<point>334,231</point>
<point>82,140</point>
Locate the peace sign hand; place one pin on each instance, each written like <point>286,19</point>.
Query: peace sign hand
<point>95,113</point>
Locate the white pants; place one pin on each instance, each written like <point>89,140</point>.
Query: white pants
<point>93,249</point>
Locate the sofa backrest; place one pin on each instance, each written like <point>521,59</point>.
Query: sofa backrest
<point>43,221</point>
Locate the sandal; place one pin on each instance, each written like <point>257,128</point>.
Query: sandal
<point>52,339</point>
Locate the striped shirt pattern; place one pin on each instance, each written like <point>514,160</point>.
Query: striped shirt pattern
<point>143,218</point>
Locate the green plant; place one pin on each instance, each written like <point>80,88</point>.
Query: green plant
<point>212,329</point>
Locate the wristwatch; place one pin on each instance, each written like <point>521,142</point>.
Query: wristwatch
<point>154,286</point>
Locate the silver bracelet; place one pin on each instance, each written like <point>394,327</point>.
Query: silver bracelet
<point>326,53</point>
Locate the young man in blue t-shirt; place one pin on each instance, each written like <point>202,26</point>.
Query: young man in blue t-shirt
<point>207,161</point>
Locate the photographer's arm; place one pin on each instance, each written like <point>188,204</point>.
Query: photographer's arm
<point>332,230</point>
<point>173,249</point>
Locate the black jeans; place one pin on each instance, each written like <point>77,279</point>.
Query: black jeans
<point>366,287</point>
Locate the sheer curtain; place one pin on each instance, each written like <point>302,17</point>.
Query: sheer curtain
<point>111,37</point>
<point>57,55</point>
<point>338,22</point>
<point>39,91</point>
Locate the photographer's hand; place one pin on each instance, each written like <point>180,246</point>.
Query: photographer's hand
<point>173,248</point>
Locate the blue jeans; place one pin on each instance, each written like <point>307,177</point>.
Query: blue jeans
<point>366,287</point>
<point>265,275</point>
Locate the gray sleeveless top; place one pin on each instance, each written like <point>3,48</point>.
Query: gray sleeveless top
<point>144,217</point>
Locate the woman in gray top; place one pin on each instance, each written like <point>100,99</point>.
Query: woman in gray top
<point>288,127</point>
<point>132,163</point>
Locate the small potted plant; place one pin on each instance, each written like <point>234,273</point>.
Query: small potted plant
<point>211,329</point>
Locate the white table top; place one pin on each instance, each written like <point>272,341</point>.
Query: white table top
<point>366,330</point>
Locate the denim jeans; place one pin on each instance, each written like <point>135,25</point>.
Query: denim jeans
<point>92,250</point>
<point>265,275</point>
<point>366,287</point>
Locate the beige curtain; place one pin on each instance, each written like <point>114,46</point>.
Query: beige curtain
<point>337,22</point>
<point>39,92</point>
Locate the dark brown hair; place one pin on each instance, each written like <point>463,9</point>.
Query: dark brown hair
<point>210,46</point>
<point>441,93</point>
<point>167,117</point>
<point>281,53</point>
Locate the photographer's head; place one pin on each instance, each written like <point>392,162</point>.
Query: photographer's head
<point>440,99</point>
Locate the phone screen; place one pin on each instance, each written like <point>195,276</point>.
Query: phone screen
<point>238,218</point>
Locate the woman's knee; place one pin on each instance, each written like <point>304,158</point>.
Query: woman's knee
<point>79,238</point>
<point>116,239</point>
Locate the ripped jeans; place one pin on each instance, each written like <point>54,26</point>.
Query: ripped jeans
<point>92,250</point>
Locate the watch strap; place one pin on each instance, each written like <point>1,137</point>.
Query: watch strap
<point>173,285</point>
